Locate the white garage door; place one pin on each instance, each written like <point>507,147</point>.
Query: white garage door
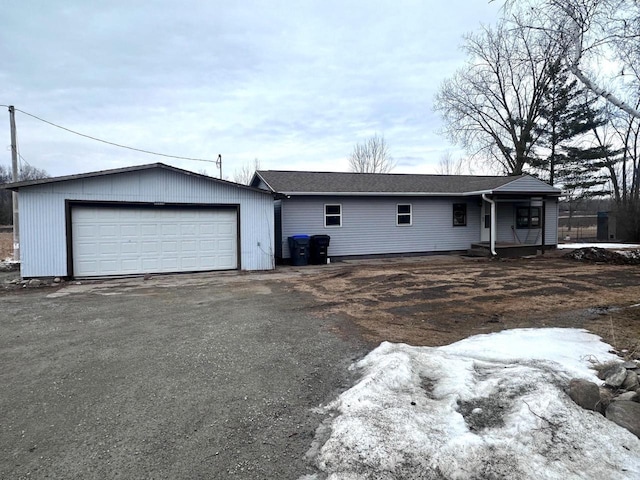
<point>123,240</point>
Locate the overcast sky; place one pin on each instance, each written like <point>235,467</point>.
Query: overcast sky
<point>293,84</point>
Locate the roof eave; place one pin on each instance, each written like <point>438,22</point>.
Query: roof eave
<point>386,194</point>
<point>15,186</point>
<point>257,173</point>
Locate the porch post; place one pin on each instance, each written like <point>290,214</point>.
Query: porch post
<point>542,222</point>
<point>493,231</point>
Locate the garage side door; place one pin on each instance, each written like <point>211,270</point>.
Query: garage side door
<point>123,240</point>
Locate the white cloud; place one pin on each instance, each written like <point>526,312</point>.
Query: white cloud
<point>295,85</point>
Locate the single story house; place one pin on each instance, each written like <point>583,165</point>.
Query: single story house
<point>145,219</point>
<point>383,214</point>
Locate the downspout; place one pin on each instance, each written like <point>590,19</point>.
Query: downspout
<point>492,229</point>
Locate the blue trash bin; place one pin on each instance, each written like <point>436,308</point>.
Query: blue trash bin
<point>299,249</point>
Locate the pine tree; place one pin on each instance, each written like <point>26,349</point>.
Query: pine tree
<point>569,117</point>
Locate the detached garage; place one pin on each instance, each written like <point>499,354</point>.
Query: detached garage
<point>137,220</point>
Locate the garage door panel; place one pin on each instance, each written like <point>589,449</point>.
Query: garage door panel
<point>189,246</point>
<point>108,248</point>
<point>129,247</point>
<point>115,241</point>
<point>169,229</point>
<point>108,230</point>
<point>149,248</point>
<point>130,230</point>
<point>130,265</point>
<point>226,228</point>
<point>206,229</point>
<point>151,265</point>
<point>150,230</point>
<point>190,229</point>
<point>170,247</point>
<point>226,246</point>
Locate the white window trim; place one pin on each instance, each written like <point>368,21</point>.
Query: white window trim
<point>410,215</point>
<point>339,215</point>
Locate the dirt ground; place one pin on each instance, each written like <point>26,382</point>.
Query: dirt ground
<point>439,300</point>
<point>6,245</point>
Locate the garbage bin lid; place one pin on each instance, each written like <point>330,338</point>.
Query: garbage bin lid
<point>300,236</point>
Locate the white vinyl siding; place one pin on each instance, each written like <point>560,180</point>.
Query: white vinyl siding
<point>122,240</point>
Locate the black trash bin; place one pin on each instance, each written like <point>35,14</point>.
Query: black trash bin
<point>319,247</point>
<point>299,249</point>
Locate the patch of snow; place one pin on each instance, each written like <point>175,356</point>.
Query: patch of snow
<point>490,406</point>
<point>597,245</point>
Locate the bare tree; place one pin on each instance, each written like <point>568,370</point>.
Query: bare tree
<point>372,156</point>
<point>447,165</point>
<point>623,168</point>
<point>244,174</point>
<point>492,105</point>
<point>592,32</point>
<point>27,172</point>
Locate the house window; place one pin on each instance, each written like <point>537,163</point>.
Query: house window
<point>459,214</point>
<point>403,214</point>
<point>333,215</point>
<point>527,217</point>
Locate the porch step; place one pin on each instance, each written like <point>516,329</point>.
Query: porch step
<point>478,252</point>
<point>503,251</point>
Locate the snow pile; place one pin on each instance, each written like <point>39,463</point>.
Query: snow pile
<point>487,407</point>
<point>602,255</point>
<point>597,245</point>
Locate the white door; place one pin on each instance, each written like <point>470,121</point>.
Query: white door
<point>485,222</point>
<point>124,240</point>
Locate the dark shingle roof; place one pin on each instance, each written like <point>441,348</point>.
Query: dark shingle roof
<point>292,182</point>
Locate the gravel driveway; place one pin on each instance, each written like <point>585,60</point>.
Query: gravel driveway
<point>195,376</point>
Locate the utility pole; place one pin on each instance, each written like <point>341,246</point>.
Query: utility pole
<point>14,194</point>
<point>219,164</point>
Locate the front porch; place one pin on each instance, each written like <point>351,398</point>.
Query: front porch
<point>503,249</point>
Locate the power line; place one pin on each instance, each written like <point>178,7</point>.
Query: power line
<point>112,143</point>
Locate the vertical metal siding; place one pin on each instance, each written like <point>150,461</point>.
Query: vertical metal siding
<point>369,224</point>
<point>42,210</point>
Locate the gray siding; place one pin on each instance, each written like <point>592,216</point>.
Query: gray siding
<point>260,184</point>
<point>506,221</point>
<point>277,214</point>
<point>42,213</point>
<point>551,222</point>
<point>369,224</point>
<point>526,184</point>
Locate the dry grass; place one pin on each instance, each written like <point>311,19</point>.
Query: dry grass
<point>431,301</point>
<point>6,245</point>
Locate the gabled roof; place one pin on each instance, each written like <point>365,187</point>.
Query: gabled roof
<point>115,171</point>
<point>340,183</point>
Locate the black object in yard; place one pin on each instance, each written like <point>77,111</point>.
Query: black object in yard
<point>319,248</point>
<point>299,249</point>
